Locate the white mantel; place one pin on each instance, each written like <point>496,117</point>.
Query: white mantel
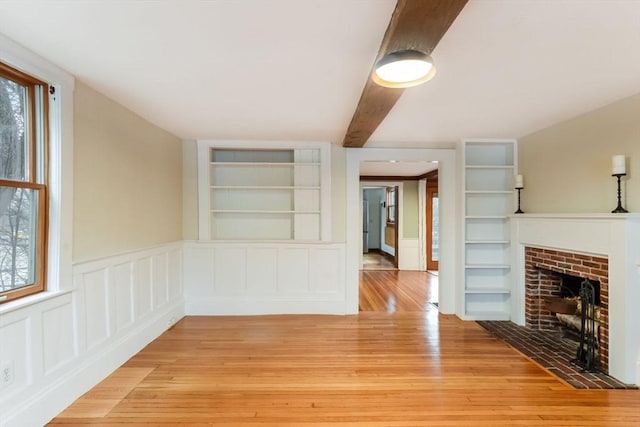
<point>615,236</point>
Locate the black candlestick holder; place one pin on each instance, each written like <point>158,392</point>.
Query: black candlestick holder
<point>619,208</point>
<point>519,211</point>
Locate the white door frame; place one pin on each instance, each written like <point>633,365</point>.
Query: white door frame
<point>399,224</point>
<point>448,186</point>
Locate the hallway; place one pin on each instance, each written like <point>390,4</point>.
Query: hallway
<point>377,260</point>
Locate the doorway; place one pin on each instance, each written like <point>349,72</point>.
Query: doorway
<point>381,224</point>
<point>356,161</point>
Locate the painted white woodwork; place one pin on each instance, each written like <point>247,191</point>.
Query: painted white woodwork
<point>422,225</point>
<point>449,200</point>
<point>410,253</point>
<point>614,236</point>
<point>264,278</point>
<point>488,169</point>
<point>67,342</point>
<point>60,177</point>
<point>263,190</point>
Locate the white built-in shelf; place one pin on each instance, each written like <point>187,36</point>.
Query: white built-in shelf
<point>496,290</point>
<point>264,191</point>
<point>487,242</point>
<point>486,315</point>
<point>264,187</point>
<point>260,211</point>
<point>485,217</point>
<point>489,192</point>
<point>489,167</point>
<point>487,266</point>
<point>264,164</point>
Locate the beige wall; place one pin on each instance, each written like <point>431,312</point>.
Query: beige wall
<point>567,167</point>
<point>190,190</point>
<point>410,210</point>
<point>339,193</point>
<point>127,179</point>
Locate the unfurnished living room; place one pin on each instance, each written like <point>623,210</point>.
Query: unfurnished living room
<point>319,212</point>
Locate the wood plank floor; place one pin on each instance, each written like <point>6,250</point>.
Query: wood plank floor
<point>397,291</point>
<point>373,369</point>
<point>376,260</point>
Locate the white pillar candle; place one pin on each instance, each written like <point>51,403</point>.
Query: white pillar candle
<point>618,166</point>
<point>519,181</point>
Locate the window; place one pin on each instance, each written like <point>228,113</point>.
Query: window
<point>391,205</point>
<point>23,190</point>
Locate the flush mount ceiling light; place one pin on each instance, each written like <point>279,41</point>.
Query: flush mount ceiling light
<point>403,68</point>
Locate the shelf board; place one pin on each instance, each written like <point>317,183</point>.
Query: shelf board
<point>487,242</point>
<point>486,315</point>
<point>257,211</point>
<point>264,187</point>
<point>487,266</point>
<point>485,217</point>
<point>489,166</point>
<point>288,164</point>
<point>496,290</point>
<point>489,191</point>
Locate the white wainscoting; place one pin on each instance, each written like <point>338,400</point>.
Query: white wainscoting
<point>264,278</point>
<point>66,342</point>
<point>409,250</point>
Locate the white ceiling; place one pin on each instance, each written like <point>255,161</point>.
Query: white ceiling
<point>294,70</point>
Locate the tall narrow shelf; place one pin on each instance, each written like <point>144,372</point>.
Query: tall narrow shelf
<point>489,167</point>
<point>274,192</point>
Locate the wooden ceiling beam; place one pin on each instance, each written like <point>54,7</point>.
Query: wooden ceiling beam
<point>417,25</point>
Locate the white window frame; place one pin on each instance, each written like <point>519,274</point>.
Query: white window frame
<point>60,180</point>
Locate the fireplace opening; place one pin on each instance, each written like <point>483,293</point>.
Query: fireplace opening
<point>552,290</point>
<point>570,287</point>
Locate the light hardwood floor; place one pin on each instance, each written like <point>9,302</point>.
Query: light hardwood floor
<point>372,369</point>
<point>396,291</point>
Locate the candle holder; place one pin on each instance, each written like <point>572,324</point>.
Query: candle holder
<point>519,211</point>
<point>619,208</point>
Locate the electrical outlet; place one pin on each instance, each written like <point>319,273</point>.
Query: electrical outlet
<point>6,374</point>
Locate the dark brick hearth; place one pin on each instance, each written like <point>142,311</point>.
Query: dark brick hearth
<point>553,352</point>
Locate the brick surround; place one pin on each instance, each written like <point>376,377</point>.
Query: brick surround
<point>540,283</point>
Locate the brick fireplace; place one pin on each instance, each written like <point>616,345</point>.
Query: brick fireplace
<point>543,270</point>
<point>601,247</point>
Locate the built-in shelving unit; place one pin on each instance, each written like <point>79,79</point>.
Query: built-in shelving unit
<point>489,167</point>
<point>268,192</point>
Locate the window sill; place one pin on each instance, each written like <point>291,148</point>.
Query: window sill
<point>27,301</point>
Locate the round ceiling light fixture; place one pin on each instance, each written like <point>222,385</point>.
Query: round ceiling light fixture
<point>403,68</point>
